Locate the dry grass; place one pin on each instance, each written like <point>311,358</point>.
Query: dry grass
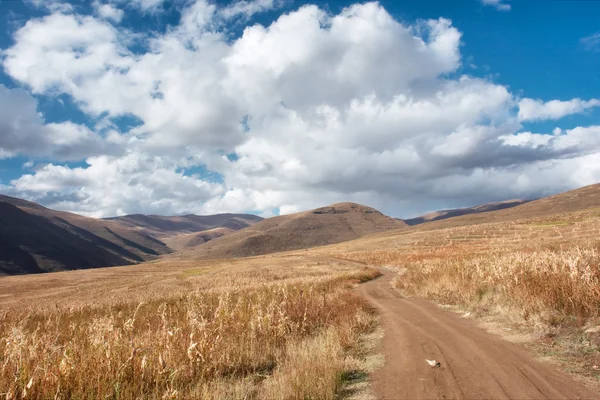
<point>286,337</point>
<point>540,276</point>
<point>551,284</point>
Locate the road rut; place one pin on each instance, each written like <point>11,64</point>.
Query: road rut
<point>474,364</point>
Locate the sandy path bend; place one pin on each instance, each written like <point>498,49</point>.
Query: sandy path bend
<point>474,363</point>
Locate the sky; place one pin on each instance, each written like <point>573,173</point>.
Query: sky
<point>113,107</point>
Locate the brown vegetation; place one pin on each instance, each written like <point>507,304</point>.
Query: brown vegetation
<point>541,276</point>
<point>287,325</point>
<point>456,212</point>
<point>332,224</point>
<point>167,226</point>
<point>225,332</point>
<point>37,239</point>
<point>188,240</point>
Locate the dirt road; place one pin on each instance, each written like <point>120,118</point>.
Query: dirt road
<point>474,364</point>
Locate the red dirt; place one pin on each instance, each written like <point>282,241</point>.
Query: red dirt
<point>474,364</point>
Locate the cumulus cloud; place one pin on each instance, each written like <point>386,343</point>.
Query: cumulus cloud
<point>115,185</point>
<point>24,132</point>
<point>537,110</point>
<point>312,109</point>
<point>108,11</point>
<point>247,9</point>
<point>51,5</point>
<point>500,5</point>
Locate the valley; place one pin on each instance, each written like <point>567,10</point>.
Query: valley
<point>506,301</point>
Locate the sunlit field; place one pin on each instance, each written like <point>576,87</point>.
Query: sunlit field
<point>237,329</point>
<point>289,325</point>
<point>539,275</point>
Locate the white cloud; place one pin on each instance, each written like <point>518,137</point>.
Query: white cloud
<point>318,108</point>
<point>60,6</point>
<point>116,185</point>
<point>145,6</point>
<point>500,5</point>
<point>247,8</point>
<point>108,11</point>
<point>59,53</point>
<point>24,131</point>
<point>591,43</point>
<point>532,110</point>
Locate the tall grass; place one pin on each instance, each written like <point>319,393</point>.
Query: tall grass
<point>283,340</point>
<point>545,283</point>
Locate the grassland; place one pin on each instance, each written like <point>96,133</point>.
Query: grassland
<point>289,325</point>
<point>537,277</point>
<point>282,328</point>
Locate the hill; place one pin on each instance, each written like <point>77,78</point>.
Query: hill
<point>321,226</point>
<point>444,214</point>
<point>188,240</point>
<point>166,226</point>
<point>36,239</point>
<point>574,200</point>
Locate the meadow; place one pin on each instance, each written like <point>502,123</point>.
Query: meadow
<point>537,278</point>
<point>236,329</point>
<point>289,325</point>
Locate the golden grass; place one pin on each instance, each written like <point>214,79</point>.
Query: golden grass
<point>223,334</point>
<point>546,283</point>
<point>540,275</point>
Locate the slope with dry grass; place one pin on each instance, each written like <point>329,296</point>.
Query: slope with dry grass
<point>584,198</point>
<point>168,226</point>
<point>538,276</point>
<point>36,239</point>
<point>332,224</point>
<point>189,240</point>
<point>456,212</point>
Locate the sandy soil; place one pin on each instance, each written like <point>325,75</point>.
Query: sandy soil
<point>474,364</point>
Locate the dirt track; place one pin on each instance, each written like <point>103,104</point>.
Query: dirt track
<point>474,363</point>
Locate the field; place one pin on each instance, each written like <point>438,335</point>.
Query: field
<point>289,325</point>
<point>538,279</point>
<point>282,328</point>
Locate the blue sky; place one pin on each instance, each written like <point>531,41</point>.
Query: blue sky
<point>270,106</point>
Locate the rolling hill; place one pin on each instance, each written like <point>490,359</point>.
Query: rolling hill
<point>584,198</point>
<point>189,240</point>
<point>36,239</point>
<point>165,226</point>
<point>456,212</point>
<point>321,226</point>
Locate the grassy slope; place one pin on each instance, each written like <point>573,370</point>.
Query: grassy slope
<point>536,271</point>
<point>554,254</point>
<point>326,225</point>
<point>445,214</point>
<point>574,200</point>
<point>168,226</point>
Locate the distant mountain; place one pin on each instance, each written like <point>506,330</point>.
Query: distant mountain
<point>444,214</point>
<point>163,226</point>
<point>36,239</point>
<point>189,240</point>
<point>584,198</point>
<point>326,225</point>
